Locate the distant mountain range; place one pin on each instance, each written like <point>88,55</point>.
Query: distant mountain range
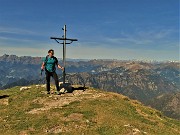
<point>141,84</point>
<point>143,81</point>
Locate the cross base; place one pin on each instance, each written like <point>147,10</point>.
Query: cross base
<point>65,87</point>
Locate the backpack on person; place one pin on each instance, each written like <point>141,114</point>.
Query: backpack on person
<point>56,61</point>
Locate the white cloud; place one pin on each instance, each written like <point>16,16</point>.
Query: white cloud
<point>99,52</point>
<point>16,31</point>
<point>142,39</point>
<point>156,34</point>
<point>13,39</point>
<point>80,51</point>
<point>126,46</point>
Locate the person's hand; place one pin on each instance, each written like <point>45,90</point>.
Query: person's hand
<point>42,67</point>
<point>62,68</point>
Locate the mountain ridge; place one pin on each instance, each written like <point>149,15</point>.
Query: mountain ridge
<point>138,80</point>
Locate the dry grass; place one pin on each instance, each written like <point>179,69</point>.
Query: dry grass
<point>91,112</point>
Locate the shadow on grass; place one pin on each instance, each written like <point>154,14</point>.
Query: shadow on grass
<point>79,88</point>
<point>3,96</point>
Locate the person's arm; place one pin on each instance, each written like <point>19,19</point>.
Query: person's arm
<point>44,60</point>
<point>59,66</point>
<point>43,65</point>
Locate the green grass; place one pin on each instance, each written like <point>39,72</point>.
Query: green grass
<point>106,115</point>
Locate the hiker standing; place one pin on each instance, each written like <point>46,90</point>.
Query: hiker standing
<point>49,64</point>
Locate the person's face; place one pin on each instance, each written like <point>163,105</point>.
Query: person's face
<point>51,53</point>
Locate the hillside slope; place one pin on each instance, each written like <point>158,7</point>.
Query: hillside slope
<point>168,103</point>
<point>89,112</point>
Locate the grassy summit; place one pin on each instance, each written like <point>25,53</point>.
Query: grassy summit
<point>92,112</point>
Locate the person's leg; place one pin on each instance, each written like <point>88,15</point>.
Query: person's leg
<point>48,75</point>
<point>55,77</point>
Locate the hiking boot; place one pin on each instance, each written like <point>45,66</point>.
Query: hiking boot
<point>48,92</point>
<point>58,93</point>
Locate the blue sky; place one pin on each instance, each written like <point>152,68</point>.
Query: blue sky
<point>105,29</point>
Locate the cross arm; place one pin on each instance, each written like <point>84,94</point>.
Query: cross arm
<point>70,39</point>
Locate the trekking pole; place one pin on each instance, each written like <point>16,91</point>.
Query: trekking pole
<point>42,71</point>
<point>41,76</point>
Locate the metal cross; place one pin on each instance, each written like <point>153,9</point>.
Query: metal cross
<point>64,48</point>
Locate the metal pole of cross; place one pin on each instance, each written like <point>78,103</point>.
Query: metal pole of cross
<point>70,40</point>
